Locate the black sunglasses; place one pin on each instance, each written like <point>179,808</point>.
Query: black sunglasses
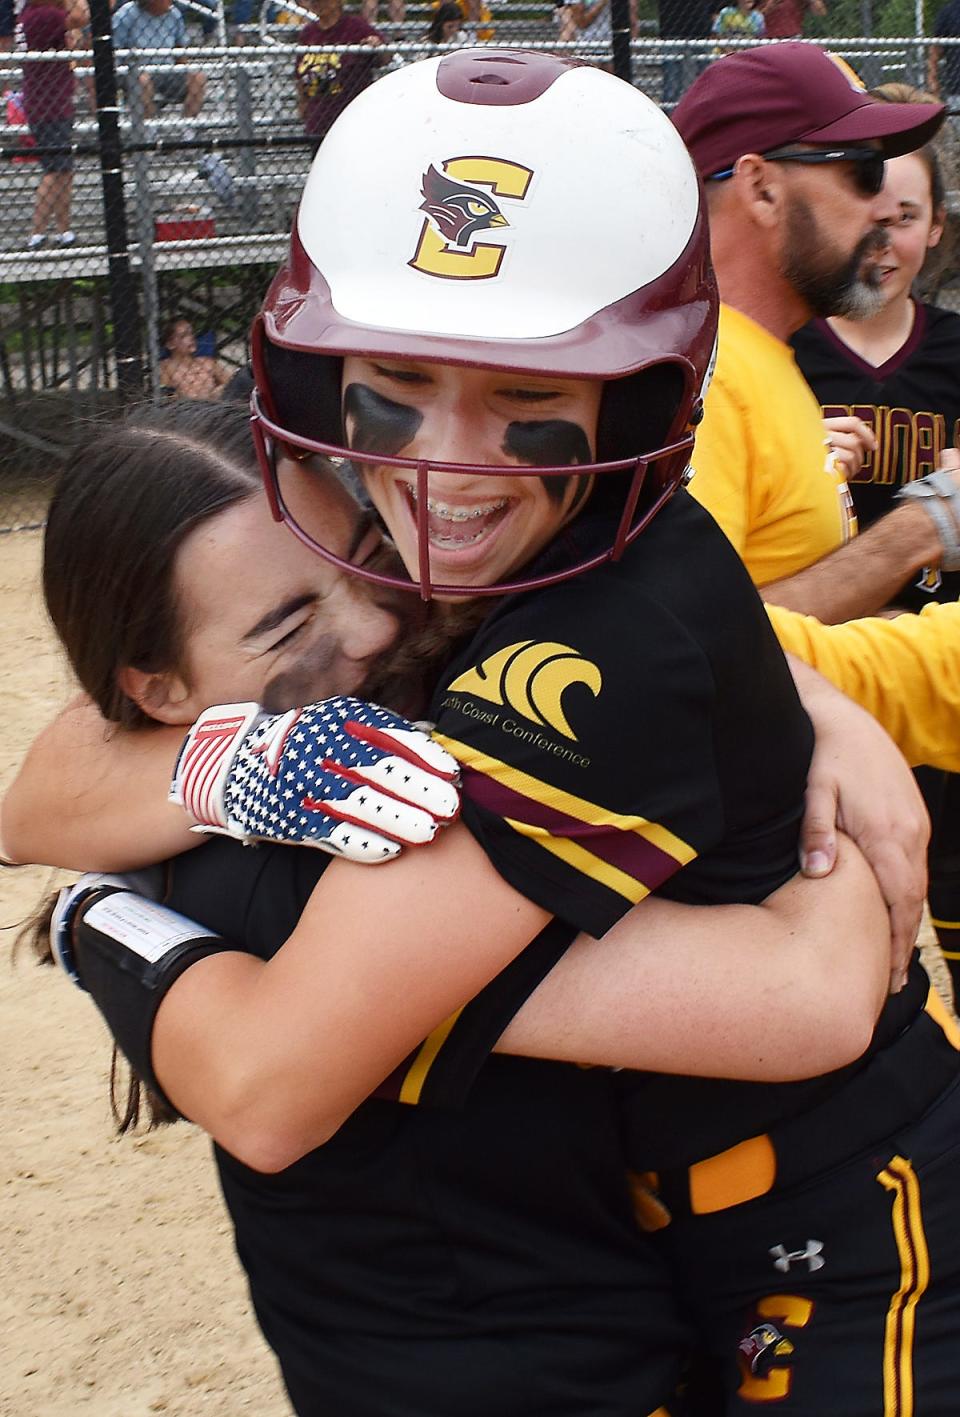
<point>867,164</point>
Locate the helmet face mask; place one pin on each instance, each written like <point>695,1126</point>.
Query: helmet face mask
<point>522,262</point>
<point>309,458</point>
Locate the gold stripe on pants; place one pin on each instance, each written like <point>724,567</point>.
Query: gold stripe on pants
<point>901,1179</point>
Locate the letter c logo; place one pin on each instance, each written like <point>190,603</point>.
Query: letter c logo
<point>456,212</point>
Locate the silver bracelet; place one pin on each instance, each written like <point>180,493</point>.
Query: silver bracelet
<point>939,495</point>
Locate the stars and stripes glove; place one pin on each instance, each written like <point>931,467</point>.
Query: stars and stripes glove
<point>342,775</point>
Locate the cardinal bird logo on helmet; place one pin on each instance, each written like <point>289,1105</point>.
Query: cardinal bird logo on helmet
<point>458,212</point>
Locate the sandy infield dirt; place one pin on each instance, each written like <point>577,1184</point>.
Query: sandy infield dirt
<point>120,1294</point>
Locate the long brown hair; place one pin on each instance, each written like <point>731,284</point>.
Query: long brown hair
<point>129,495</point>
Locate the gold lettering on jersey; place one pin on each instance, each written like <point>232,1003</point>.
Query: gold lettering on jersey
<point>764,1351</point>
<point>909,444</point>
<point>531,678</point>
<point>319,74</point>
<point>457,211</point>
<point>513,729</point>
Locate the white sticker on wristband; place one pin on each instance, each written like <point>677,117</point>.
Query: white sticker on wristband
<point>150,930</point>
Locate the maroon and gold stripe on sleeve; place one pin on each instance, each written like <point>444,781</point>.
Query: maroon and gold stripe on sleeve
<point>629,855</point>
<point>406,1082</point>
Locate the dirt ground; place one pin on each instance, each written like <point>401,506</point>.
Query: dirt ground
<point>120,1294</point>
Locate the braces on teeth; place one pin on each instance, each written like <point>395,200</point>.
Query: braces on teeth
<point>459,514</point>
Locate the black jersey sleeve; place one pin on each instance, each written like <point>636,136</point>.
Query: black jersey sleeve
<point>582,718</point>
<point>255,896</point>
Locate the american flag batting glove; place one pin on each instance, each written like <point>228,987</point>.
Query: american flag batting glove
<point>342,775</point>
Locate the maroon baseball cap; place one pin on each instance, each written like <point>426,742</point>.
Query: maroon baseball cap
<point>764,98</point>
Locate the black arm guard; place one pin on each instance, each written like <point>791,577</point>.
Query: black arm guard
<point>127,952</point>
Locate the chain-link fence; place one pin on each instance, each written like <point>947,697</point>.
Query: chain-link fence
<point>151,162</point>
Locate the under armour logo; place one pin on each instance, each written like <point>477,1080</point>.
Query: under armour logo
<point>784,1258</point>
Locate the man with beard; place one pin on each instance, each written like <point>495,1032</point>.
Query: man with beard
<point>791,149</point>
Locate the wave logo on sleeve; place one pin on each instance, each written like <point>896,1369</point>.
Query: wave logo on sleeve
<point>531,678</point>
<point>457,212</point>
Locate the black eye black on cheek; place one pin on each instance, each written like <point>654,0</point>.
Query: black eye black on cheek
<point>309,678</point>
<point>376,424</point>
<point>553,442</point>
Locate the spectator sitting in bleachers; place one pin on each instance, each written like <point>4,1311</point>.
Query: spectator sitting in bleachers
<point>184,373</point>
<point>328,80</point>
<point>156,25</point>
<point>48,99</point>
<point>743,20</point>
<point>477,18</point>
<point>446,27</point>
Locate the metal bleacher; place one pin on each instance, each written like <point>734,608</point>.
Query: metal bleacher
<point>161,174</point>
<point>249,124</point>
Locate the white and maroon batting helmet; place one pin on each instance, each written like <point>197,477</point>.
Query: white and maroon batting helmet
<point>502,210</point>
